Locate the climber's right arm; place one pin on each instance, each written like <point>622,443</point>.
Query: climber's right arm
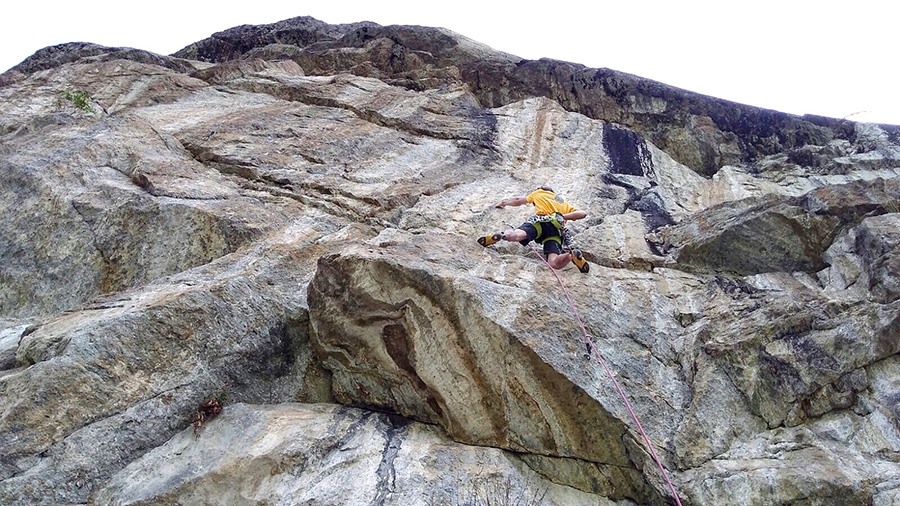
<point>514,201</point>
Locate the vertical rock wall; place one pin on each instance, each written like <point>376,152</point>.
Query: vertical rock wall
<point>288,227</point>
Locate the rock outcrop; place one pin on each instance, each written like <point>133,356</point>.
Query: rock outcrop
<point>702,132</point>
<point>282,218</point>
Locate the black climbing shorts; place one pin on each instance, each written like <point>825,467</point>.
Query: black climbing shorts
<point>549,237</point>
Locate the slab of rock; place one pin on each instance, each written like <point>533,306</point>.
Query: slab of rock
<point>329,455</point>
<point>774,233</point>
<point>491,355</point>
<point>55,56</point>
<point>97,387</point>
<point>110,204</point>
<point>701,132</point>
<point>878,241</point>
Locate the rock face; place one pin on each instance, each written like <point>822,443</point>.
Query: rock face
<point>305,453</point>
<point>789,234</point>
<point>282,218</point>
<point>702,132</point>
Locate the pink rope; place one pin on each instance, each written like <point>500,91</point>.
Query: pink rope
<point>587,337</point>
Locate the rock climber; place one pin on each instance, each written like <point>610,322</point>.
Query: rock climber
<point>546,227</point>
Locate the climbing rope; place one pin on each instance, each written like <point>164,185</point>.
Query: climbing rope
<point>593,347</point>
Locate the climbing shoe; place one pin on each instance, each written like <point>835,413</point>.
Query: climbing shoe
<point>580,262</point>
<point>489,239</point>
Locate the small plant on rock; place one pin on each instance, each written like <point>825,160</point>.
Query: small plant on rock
<point>208,409</point>
<point>80,99</point>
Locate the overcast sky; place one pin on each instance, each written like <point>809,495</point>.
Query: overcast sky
<point>835,59</point>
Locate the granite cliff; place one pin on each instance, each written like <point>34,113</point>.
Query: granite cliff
<point>282,217</point>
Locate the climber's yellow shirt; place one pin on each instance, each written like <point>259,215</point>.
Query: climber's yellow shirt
<point>546,202</point>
